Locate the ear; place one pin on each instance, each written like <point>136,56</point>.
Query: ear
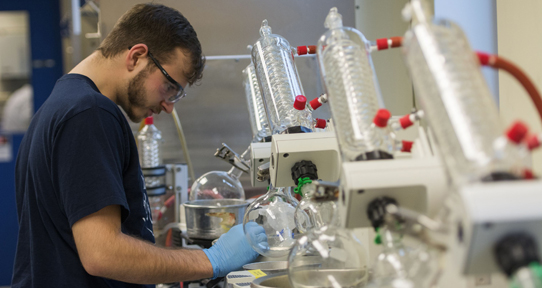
<point>136,57</point>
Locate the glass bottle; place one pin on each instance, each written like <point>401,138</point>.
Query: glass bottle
<point>454,96</point>
<point>327,256</point>
<point>218,185</point>
<point>279,81</point>
<point>351,85</point>
<point>274,211</point>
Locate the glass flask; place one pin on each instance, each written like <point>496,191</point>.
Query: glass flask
<point>149,141</point>
<point>351,85</point>
<point>279,82</point>
<point>327,256</point>
<point>274,211</point>
<point>310,214</point>
<point>256,108</point>
<point>218,185</point>
<point>392,263</point>
<point>455,98</point>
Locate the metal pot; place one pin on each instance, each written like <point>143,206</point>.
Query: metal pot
<point>208,219</point>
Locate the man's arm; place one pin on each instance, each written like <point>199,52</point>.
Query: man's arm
<point>106,252</point>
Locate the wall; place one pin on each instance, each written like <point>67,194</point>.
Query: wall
<point>519,40</point>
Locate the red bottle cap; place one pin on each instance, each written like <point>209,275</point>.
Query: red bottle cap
<point>381,118</point>
<point>321,123</point>
<point>302,50</point>
<point>382,43</point>
<point>315,104</point>
<point>405,121</point>
<point>300,102</point>
<point>517,132</point>
<point>149,120</point>
<point>533,142</point>
<point>407,146</point>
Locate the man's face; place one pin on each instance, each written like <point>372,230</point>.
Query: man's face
<point>147,91</point>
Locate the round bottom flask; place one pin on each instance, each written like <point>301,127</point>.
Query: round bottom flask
<point>273,211</point>
<point>328,257</point>
<point>218,185</point>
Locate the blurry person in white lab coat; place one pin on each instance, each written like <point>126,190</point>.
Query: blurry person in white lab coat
<point>18,110</point>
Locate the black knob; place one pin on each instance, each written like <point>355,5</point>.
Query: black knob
<point>515,251</point>
<point>302,169</point>
<point>377,210</point>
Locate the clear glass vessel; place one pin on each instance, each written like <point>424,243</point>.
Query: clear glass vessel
<point>455,98</point>
<point>327,256</point>
<point>351,85</point>
<point>256,108</point>
<point>218,185</point>
<point>274,211</point>
<point>279,82</point>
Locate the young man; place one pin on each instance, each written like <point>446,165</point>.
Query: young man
<point>82,206</point>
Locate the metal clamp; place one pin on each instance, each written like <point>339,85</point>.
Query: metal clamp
<point>263,172</point>
<point>227,154</point>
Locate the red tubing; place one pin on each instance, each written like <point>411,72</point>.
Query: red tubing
<point>498,62</point>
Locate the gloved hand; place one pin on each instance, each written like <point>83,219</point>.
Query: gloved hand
<point>232,250</point>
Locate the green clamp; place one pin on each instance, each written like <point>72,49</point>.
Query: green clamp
<point>300,183</point>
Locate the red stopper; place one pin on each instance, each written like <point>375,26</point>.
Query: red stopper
<point>315,104</point>
<point>312,49</point>
<point>407,146</point>
<point>302,50</point>
<point>533,142</point>
<point>396,41</point>
<point>320,123</point>
<point>405,121</point>
<point>517,132</point>
<point>483,58</point>
<point>149,120</point>
<point>528,174</point>
<point>300,102</point>
<point>382,43</point>
<point>381,118</point>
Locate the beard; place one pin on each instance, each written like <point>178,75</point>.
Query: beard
<point>137,97</point>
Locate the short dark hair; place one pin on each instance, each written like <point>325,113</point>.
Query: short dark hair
<point>162,29</point>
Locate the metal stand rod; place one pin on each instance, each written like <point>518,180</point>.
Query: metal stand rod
<point>183,144</point>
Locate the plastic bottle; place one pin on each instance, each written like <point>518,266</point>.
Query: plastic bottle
<point>149,143</point>
<point>218,185</point>
<point>279,81</point>
<point>351,84</point>
<point>256,108</point>
<point>452,91</point>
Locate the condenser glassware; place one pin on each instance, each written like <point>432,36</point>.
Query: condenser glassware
<point>218,185</point>
<point>351,85</point>
<point>256,108</point>
<point>456,100</point>
<point>279,82</point>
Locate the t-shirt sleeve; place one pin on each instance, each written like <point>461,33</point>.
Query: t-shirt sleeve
<point>88,160</point>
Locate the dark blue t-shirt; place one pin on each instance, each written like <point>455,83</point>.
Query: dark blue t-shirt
<point>77,157</point>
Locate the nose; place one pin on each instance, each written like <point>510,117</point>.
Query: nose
<point>168,107</point>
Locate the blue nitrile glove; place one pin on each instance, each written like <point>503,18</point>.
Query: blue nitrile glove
<point>232,250</point>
